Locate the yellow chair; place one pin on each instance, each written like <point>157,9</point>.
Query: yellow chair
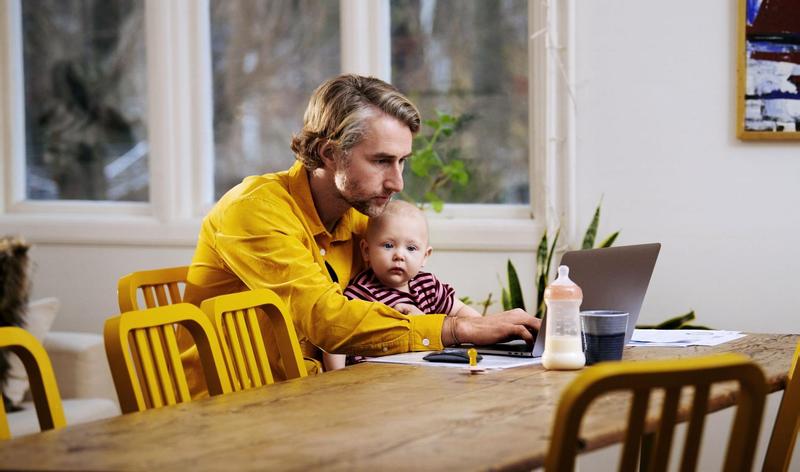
<point>787,423</point>
<point>161,380</point>
<point>239,319</point>
<point>641,378</point>
<point>159,287</point>
<point>40,376</point>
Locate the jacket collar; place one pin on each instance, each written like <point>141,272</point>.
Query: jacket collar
<point>300,189</point>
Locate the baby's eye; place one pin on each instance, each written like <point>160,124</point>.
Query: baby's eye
<point>388,246</point>
<point>411,248</point>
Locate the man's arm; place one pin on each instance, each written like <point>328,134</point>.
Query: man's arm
<point>268,247</point>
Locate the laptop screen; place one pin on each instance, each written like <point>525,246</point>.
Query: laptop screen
<point>614,278</point>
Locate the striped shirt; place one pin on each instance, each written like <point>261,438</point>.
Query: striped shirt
<point>426,292</point>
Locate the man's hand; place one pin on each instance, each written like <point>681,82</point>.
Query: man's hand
<point>408,309</point>
<point>490,329</point>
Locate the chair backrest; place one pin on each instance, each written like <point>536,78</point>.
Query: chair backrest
<point>40,376</point>
<point>161,379</point>
<point>641,379</point>
<point>158,287</point>
<point>787,423</point>
<point>243,322</point>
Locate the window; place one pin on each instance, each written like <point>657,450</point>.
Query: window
<point>145,112</point>
<point>85,117</point>
<point>267,59</point>
<point>470,59</point>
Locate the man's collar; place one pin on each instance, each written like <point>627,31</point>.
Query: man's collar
<point>300,189</point>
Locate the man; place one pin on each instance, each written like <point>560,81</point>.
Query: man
<point>297,232</point>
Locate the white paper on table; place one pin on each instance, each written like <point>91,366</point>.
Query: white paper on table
<point>488,362</point>
<point>681,337</point>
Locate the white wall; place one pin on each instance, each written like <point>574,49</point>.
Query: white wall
<point>655,115</point>
<point>85,278</point>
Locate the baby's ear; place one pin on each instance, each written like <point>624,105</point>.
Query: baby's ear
<point>364,251</point>
<point>428,253</point>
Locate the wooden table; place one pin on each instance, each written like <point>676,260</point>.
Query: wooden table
<point>367,417</point>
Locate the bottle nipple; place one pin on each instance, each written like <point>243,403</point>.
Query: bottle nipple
<point>563,287</point>
<point>563,276</point>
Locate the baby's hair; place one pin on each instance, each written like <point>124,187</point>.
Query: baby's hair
<point>397,208</point>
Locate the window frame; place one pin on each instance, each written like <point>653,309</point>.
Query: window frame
<point>181,148</point>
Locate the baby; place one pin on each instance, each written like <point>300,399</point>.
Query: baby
<point>395,249</point>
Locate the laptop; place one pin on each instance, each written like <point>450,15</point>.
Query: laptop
<point>614,278</point>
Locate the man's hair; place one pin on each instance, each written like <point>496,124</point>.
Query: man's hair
<point>396,208</point>
<point>338,111</point>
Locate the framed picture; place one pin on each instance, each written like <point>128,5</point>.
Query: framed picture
<point>768,89</point>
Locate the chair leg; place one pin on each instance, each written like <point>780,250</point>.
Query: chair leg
<point>646,451</point>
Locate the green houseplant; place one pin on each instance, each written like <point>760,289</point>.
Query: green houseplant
<point>434,163</point>
<point>512,296</point>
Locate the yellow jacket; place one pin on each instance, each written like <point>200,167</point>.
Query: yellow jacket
<point>265,233</point>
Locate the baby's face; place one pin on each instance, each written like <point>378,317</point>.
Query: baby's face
<point>397,249</point>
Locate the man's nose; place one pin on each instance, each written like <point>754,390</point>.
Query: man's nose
<point>394,178</point>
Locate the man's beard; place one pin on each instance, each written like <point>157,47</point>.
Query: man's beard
<point>354,195</point>
<point>365,207</point>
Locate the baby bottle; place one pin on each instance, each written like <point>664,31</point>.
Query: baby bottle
<point>562,342</point>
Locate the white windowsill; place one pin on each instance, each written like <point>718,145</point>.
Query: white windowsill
<point>474,234</point>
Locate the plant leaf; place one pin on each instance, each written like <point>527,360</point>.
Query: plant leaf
<point>486,303</point>
<point>550,256</point>
<point>591,231</point>
<point>423,161</point>
<point>609,240</point>
<point>514,289</point>
<point>688,326</point>
<point>436,202</point>
<point>541,253</point>
<point>456,171</point>
<point>446,120</point>
<point>676,322</point>
<point>505,299</point>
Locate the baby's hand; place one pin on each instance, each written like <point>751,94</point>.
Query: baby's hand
<point>408,309</point>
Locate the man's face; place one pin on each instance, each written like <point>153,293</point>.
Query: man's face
<point>368,175</point>
<point>397,249</point>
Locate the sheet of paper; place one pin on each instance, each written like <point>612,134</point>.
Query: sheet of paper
<point>488,362</point>
<point>681,337</point>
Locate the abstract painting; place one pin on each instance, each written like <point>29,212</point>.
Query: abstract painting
<point>769,69</point>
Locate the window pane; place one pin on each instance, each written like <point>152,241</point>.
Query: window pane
<point>267,57</point>
<point>84,66</point>
<point>469,59</point>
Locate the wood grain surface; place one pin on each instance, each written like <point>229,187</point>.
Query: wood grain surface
<point>365,417</point>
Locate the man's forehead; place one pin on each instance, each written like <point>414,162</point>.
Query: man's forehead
<point>387,136</point>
